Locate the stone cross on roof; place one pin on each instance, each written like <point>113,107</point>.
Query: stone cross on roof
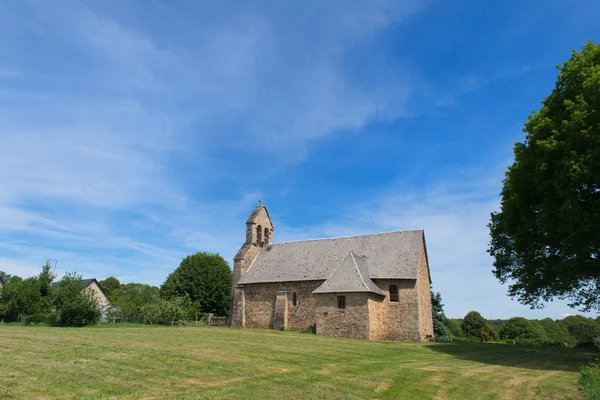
<point>260,202</point>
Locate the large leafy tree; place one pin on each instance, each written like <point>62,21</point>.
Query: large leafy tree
<point>110,286</point>
<point>474,325</point>
<point>45,279</point>
<point>545,238</point>
<point>205,278</point>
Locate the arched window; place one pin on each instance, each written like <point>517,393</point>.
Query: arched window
<point>259,233</point>
<point>294,299</point>
<point>267,236</point>
<point>394,294</point>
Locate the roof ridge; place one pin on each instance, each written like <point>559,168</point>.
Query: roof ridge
<point>358,270</point>
<point>346,237</point>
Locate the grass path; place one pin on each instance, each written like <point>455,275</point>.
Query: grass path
<point>165,362</point>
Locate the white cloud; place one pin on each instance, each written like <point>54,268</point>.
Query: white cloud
<point>91,134</point>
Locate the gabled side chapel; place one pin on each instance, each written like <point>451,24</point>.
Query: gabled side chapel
<point>368,287</point>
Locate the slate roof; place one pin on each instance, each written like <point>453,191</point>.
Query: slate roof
<point>392,255</point>
<point>351,275</point>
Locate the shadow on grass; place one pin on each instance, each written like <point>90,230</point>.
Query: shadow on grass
<point>545,358</point>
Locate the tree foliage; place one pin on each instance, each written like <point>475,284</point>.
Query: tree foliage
<point>130,299</point>
<point>439,318</point>
<point>26,297</point>
<point>167,311</point>
<point>522,328</point>
<point>74,303</point>
<point>545,238</point>
<point>473,325</point>
<point>110,286</point>
<point>454,326</point>
<point>556,332</point>
<point>489,333</point>
<point>205,278</point>
<point>19,298</point>
<point>582,329</point>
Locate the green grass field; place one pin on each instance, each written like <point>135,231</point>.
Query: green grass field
<point>164,362</point>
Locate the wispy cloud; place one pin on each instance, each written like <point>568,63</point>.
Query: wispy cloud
<point>89,137</point>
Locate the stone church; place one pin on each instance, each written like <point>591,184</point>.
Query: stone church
<point>369,287</point>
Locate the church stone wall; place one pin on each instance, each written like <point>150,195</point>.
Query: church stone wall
<point>424,296</point>
<point>350,322</point>
<point>260,300</point>
<point>401,318</point>
<point>377,318</point>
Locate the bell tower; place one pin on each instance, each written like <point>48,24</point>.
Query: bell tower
<point>259,228</point>
<point>259,232</point>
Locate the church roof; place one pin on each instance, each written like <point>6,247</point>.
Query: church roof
<point>392,255</point>
<point>351,275</point>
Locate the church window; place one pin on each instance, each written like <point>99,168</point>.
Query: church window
<point>394,294</point>
<point>294,299</point>
<point>259,235</point>
<point>341,301</point>
<point>267,238</point>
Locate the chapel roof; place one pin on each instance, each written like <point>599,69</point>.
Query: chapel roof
<point>351,275</point>
<point>391,255</point>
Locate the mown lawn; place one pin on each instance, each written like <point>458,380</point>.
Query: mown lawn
<point>210,362</point>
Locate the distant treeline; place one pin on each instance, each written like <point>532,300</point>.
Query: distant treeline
<point>201,284</point>
<point>574,330</point>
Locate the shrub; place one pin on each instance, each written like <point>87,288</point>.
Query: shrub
<point>165,311</point>
<point>40,318</point>
<point>590,381</point>
<point>75,305</point>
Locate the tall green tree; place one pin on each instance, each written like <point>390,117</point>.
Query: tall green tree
<point>473,325</point>
<point>439,318</point>
<point>205,278</point>
<point>110,286</point>
<point>545,238</point>
<point>45,278</point>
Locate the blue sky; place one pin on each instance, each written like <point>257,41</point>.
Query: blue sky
<point>134,133</point>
